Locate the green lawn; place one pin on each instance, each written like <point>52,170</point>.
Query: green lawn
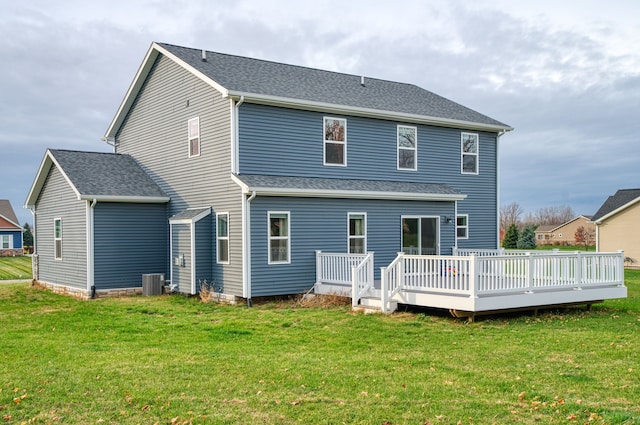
<point>175,360</point>
<point>15,268</point>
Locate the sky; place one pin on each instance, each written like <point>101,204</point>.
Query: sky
<point>565,74</point>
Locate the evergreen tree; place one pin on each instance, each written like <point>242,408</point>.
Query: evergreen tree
<point>27,236</point>
<point>510,240</point>
<point>527,239</point>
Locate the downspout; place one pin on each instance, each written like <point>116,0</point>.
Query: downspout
<point>246,219</point>
<point>500,133</point>
<point>91,287</point>
<point>35,246</point>
<point>111,141</point>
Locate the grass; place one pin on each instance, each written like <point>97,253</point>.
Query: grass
<point>571,248</point>
<point>176,360</point>
<point>15,268</point>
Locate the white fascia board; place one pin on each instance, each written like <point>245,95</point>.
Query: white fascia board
<point>12,222</point>
<point>141,77</point>
<point>616,211</point>
<point>41,177</point>
<point>366,112</point>
<point>191,220</point>
<point>134,199</point>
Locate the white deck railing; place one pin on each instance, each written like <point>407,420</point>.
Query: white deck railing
<point>362,279</point>
<point>485,275</point>
<point>337,268</point>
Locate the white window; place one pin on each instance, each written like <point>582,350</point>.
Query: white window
<point>357,233</point>
<point>194,136</point>
<point>335,141</point>
<point>462,226</point>
<point>279,240</point>
<point>407,148</point>
<point>6,241</point>
<point>222,231</point>
<point>57,238</point>
<point>469,144</point>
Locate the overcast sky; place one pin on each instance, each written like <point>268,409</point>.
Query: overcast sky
<point>564,74</point>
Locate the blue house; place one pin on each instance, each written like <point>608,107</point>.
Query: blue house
<point>10,231</point>
<point>256,165</point>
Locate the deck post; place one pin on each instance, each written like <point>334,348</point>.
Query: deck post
<point>400,276</point>
<point>578,271</point>
<point>530,268</point>
<point>318,266</point>
<point>354,287</point>
<point>620,271</point>
<point>384,293</point>
<point>473,276</point>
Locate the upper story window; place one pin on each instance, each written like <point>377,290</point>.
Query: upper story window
<point>407,148</point>
<point>57,238</point>
<point>223,237</point>
<point>357,233</point>
<point>194,136</point>
<point>279,240</point>
<point>469,144</point>
<point>335,141</point>
<point>462,226</point>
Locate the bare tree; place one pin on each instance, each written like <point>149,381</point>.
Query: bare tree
<point>551,215</point>
<point>510,214</point>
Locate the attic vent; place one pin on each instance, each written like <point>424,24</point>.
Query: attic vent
<point>362,81</point>
<point>204,55</point>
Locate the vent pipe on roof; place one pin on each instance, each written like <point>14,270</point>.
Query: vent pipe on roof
<point>204,55</point>
<point>362,81</point>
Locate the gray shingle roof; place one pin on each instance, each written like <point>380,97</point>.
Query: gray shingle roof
<point>621,198</point>
<point>189,214</point>
<point>106,174</point>
<point>348,188</point>
<point>248,75</point>
<point>6,210</point>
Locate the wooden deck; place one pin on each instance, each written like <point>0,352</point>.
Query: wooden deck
<point>478,281</point>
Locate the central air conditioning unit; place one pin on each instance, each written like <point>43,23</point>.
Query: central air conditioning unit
<point>152,284</point>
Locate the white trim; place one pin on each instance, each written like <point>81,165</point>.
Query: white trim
<point>19,228</point>
<point>126,199</point>
<point>245,234</point>
<point>463,153</point>
<point>325,141</point>
<point>617,210</point>
<point>90,246</point>
<point>414,149</point>
<point>349,236</point>
<point>466,226</point>
<point>223,238</point>
<point>171,260</point>
<point>270,238</point>
<point>419,218</point>
<point>192,236</point>
<point>191,136</point>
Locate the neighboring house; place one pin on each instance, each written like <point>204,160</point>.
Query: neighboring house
<point>618,225</point>
<point>265,163</point>
<point>565,233</point>
<point>10,231</point>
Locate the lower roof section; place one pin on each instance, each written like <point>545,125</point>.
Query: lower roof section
<point>264,185</point>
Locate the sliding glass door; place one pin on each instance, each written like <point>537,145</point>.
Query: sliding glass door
<point>420,235</point>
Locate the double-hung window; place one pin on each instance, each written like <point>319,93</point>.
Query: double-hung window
<point>335,141</point>
<point>279,239</point>
<point>462,226</point>
<point>222,231</point>
<point>469,148</point>
<point>407,148</point>
<point>57,238</point>
<point>193,126</point>
<point>357,233</point>
<point>6,241</point>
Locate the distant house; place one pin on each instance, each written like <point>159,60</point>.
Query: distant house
<point>237,171</point>
<point>10,231</point>
<point>563,234</point>
<point>618,225</point>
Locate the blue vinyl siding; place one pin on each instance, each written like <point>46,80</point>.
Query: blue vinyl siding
<point>205,255</point>
<point>17,238</point>
<point>130,240</point>
<point>288,142</point>
<point>321,224</point>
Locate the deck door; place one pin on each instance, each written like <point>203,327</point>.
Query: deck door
<point>420,235</point>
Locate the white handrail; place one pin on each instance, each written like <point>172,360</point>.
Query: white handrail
<point>361,279</point>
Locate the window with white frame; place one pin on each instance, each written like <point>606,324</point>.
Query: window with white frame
<point>57,238</point>
<point>222,231</point>
<point>469,145</point>
<point>335,141</point>
<point>6,241</point>
<point>462,226</point>
<point>407,148</point>
<point>194,136</point>
<point>357,233</point>
<point>279,240</point>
